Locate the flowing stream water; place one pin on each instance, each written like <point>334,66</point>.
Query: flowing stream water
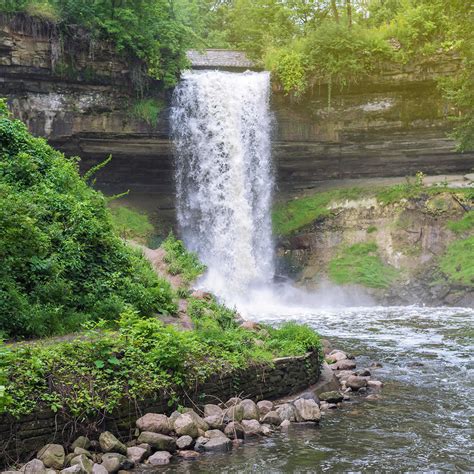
<point>423,421</point>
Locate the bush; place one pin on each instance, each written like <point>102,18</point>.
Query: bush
<point>458,262</point>
<point>131,224</point>
<point>180,261</point>
<point>62,262</point>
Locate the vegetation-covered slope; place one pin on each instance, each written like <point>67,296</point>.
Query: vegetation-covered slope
<point>62,262</point>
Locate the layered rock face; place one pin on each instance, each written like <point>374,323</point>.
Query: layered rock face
<point>78,95</point>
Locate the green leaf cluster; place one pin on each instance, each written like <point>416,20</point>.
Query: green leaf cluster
<point>62,261</point>
<point>143,358</point>
<point>180,261</point>
<point>457,263</point>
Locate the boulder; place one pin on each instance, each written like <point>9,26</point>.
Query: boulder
<point>264,407</point>
<point>35,466</point>
<point>286,412</point>
<point>83,462</point>
<point>331,397</point>
<point>251,427</point>
<point>52,455</point>
<point>335,356</point>
<point>235,413</point>
<point>285,424</point>
<point>201,424</point>
<point>307,410</point>
<point>172,418</point>
<point>214,434</point>
<point>309,395</point>
<point>155,423</point>
<point>136,454</point>
<point>109,443</point>
<point>186,454</point>
<point>375,384</point>
<point>250,326</point>
<point>344,375</point>
<point>345,364</point>
<point>160,458</point>
<point>272,418</point>
<point>81,442</point>
<point>184,442</point>
<point>232,402</point>
<point>158,441</point>
<point>234,430</point>
<point>220,444</point>
<point>113,462</point>
<point>99,469</point>
<point>266,430</point>
<point>213,410</point>
<point>215,422</point>
<point>249,410</point>
<point>363,373</point>
<point>78,451</point>
<point>356,383</point>
<point>200,443</point>
<point>185,425</point>
<point>76,469</point>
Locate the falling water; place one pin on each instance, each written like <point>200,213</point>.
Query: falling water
<point>221,130</point>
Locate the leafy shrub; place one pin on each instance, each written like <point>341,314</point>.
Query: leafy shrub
<point>360,263</point>
<point>148,110</point>
<point>97,372</point>
<point>62,263</point>
<point>180,261</point>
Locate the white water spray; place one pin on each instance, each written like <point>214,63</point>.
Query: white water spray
<point>221,130</point>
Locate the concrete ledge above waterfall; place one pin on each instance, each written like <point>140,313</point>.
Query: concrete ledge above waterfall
<point>220,59</point>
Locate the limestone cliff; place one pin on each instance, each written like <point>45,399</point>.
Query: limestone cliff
<point>79,94</point>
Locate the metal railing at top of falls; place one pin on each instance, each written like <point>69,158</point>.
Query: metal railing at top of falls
<point>222,59</point>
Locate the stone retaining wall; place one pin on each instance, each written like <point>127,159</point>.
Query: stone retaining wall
<point>20,439</point>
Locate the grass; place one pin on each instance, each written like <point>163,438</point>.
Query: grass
<point>457,263</point>
<point>463,225</point>
<point>180,261</point>
<point>300,212</point>
<point>360,263</point>
<point>131,224</point>
<point>148,110</point>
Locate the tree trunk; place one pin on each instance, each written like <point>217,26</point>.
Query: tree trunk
<point>349,13</point>
<point>334,10</point>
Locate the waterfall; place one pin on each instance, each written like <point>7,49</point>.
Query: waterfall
<point>220,124</point>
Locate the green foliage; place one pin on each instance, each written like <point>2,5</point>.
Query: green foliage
<point>62,262</point>
<point>208,314</point>
<point>180,261</point>
<point>458,262</point>
<point>293,215</point>
<point>465,224</point>
<point>360,263</point>
<point>148,110</point>
<point>95,373</point>
<point>131,224</point>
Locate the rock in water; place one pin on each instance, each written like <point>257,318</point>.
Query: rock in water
<point>251,427</point>
<point>356,383</point>
<point>109,443</point>
<point>234,430</point>
<point>184,442</point>
<point>307,410</point>
<point>286,412</point>
<point>52,455</point>
<point>272,418</point>
<point>155,423</point>
<point>331,397</point>
<point>160,458</point>
<point>215,422</point>
<point>136,454</point>
<point>83,462</point>
<point>219,444</point>
<point>113,462</point>
<point>158,441</point>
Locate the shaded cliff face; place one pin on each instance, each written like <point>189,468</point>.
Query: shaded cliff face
<point>393,125</point>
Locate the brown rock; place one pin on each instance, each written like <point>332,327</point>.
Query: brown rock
<point>355,382</point>
<point>154,422</point>
<point>264,407</point>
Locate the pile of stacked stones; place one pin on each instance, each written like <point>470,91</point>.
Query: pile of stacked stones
<point>350,380</point>
<point>183,434</point>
